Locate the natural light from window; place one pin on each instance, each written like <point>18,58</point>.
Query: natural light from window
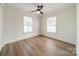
<point>51,24</point>
<point>27,24</point>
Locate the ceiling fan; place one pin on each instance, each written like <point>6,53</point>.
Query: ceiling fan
<point>38,10</point>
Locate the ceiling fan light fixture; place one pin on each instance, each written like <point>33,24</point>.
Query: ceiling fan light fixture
<point>38,12</point>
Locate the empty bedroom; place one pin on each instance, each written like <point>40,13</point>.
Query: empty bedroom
<point>38,29</point>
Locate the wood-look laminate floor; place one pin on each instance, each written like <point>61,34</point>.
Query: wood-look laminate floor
<point>38,46</point>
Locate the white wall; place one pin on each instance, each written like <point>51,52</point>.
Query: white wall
<point>0,27</point>
<point>14,24</point>
<point>65,24</point>
<point>77,27</point>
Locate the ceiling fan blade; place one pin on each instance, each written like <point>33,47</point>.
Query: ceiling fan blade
<point>38,6</point>
<point>41,6</point>
<point>33,11</point>
<point>41,12</point>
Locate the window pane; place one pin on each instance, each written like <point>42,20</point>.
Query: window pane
<point>27,24</point>
<point>51,24</point>
<point>27,29</point>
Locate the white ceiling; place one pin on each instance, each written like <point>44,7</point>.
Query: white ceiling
<point>48,7</point>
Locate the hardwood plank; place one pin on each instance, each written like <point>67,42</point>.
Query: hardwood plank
<point>39,46</point>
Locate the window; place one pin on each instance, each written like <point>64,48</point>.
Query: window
<point>51,24</point>
<point>28,24</point>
